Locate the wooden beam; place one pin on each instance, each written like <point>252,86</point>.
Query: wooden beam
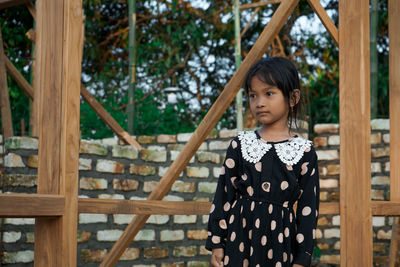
<point>147,207</point>
<point>18,78</point>
<point>10,3</point>
<point>58,78</point>
<point>31,205</point>
<point>385,208</point>
<point>250,21</point>
<point>6,117</point>
<point>213,115</point>
<point>394,115</point>
<point>355,151</point>
<point>325,19</point>
<point>31,9</point>
<point>259,4</point>
<point>108,119</point>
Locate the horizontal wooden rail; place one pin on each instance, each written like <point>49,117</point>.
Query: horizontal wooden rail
<point>385,208</point>
<point>31,205</point>
<point>10,3</point>
<point>147,207</point>
<point>259,4</point>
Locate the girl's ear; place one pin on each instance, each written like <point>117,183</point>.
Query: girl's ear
<point>294,97</point>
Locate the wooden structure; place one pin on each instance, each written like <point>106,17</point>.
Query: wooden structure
<point>59,38</point>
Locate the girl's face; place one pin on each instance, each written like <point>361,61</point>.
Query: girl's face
<point>267,103</point>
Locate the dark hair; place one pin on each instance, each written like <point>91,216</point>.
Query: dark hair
<point>279,72</point>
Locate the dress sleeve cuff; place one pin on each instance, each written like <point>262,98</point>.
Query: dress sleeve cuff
<point>303,258</point>
<point>210,245</point>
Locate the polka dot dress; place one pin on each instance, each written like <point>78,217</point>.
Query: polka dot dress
<point>252,215</point>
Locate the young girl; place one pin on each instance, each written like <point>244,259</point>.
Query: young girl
<point>252,221</point>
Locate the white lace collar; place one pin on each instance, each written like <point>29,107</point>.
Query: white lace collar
<point>289,152</point>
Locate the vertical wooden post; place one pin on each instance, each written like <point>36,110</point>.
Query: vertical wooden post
<point>355,151</point>
<point>6,118</point>
<point>394,115</point>
<point>58,71</point>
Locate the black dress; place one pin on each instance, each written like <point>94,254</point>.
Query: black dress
<point>252,214</point>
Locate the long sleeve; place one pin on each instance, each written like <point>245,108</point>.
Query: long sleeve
<point>223,199</point>
<point>307,209</point>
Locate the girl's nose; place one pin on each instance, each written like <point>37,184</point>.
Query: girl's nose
<point>260,104</point>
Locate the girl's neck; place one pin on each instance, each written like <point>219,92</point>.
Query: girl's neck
<point>275,134</point>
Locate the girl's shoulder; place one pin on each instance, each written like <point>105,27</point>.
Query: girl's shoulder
<point>253,147</point>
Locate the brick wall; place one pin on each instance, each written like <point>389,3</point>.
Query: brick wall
<point>109,170</point>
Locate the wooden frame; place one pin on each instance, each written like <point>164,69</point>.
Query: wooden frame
<point>59,33</point>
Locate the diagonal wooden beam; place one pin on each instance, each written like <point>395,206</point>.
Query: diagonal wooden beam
<point>31,205</point>
<point>18,78</point>
<point>213,115</point>
<point>108,119</point>
<point>10,3</point>
<point>259,4</point>
<point>325,19</point>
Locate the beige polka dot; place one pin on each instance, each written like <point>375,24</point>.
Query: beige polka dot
<point>245,262</point>
<point>233,236</point>
<point>226,260</point>
<point>286,231</point>
<point>241,209</point>
<point>258,265</point>
<point>227,206</point>
<point>234,204</point>
<point>226,189</point>
<point>313,171</point>
<point>301,193</point>
<point>216,239</point>
<point>257,223</point>
<point>286,204</point>
<point>253,204</point>
<point>250,234</point>
<point>244,177</point>
<point>284,185</point>
<point>308,149</point>
<point>209,233</point>
<point>291,257</point>
<point>270,254</point>
<point>273,225</point>
<point>278,264</point>
<point>258,166</point>
<point>234,144</point>
<point>244,222</point>
<point>313,233</point>
<point>222,172</point>
<point>251,251</point>
<point>284,256</point>
<point>300,237</point>
<point>266,186</point>
<point>304,168</point>
<point>233,181</point>
<point>280,238</point>
<point>250,190</point>
<point>212,208</point>
<point>263,240</point>
<point>290,217</point>
<point>270,208</point>
<point>222,224</point>
<point>289,167</point>
<point>316,213</point>
<point>230,163</point>
<point>241,247</point>
<point>306,211</point>
<point>231,219</point>
<point>283,214</point>
<point>315,190</point>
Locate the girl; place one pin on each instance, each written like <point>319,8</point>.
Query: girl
<point>252,221</point>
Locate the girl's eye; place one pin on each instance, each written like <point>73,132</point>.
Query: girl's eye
<point>269,93</point>
<point>252,95</point>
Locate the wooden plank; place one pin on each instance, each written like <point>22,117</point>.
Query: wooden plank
<point>58,79</point>
<point>147,207</point>
<point>213,115</point>
<point>355,151</point>
<point>108,119</point>
<point>259,4</point>
<point>10,3</point>
<point>394,115</point>
<point>31,9</point>
<point>6,118</point>
<point>18,78</point>
<point>325,19</point>
<point>31,205</point>
<point>385,208</point>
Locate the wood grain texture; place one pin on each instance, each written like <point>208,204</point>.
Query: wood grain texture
<point>108,119</point>
<point>355,151</point>
<point>10,3</point>
<point>6,117</point>
<point>18,78</point>
<point>325,19</point>
<point>31,205</point>
<point>394,115</point>
<point>213,115</point>
<point>58,79</point>
<point>259,4</point>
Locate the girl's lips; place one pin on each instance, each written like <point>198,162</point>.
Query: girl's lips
<point>262,113</point>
